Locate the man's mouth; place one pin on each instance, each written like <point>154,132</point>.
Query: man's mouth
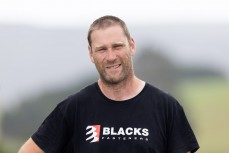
<point>113,66</point>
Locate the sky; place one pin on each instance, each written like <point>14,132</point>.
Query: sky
<point>82,12</point>
<point>73,13</point>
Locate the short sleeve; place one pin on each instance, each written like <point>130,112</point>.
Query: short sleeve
<point>53,134</point>
<point>181,136</point>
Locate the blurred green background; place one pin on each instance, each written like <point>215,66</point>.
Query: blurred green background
<point>182,48</point>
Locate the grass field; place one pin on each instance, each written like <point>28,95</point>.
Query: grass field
<point>207,104</point>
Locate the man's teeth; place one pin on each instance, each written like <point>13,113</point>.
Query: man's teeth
<point>114,67</point>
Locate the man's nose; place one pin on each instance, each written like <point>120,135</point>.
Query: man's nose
<point>111,56</point>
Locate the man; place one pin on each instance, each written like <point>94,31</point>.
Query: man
<point>118,114</point>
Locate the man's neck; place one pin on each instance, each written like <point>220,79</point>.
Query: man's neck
<point>122,91</point>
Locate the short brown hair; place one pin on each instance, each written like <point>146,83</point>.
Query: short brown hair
<point>107,21</point>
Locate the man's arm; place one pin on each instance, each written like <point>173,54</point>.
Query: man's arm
<point>30,147</point>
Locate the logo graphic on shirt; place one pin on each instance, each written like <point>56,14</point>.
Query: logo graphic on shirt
<point>96,132</point>
<point>93,133</point>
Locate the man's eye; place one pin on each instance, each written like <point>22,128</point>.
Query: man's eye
<point>118,46</point>
<point>101,49</point>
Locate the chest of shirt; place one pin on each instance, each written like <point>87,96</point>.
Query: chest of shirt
<point>125,128</point>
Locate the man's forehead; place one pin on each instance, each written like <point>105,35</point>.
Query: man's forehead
<point>108,36</point>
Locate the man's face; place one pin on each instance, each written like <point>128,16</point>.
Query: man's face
<point>112,54</point>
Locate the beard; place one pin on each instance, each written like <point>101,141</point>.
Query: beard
<point>123,74</point>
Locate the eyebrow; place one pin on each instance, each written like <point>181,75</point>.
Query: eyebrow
<point>119,43</point>
<point>103,46</point>
<point>99,47</point>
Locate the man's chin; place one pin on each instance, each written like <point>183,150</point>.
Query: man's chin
<point>112,81</point>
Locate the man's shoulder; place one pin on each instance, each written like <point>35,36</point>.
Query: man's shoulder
<point>75,98</point>
<point>85,92</point>
<point>155,90</point>
<point>160,95</point>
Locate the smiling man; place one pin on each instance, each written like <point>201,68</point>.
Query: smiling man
<point>119,113</point>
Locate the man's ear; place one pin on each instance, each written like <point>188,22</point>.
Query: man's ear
<point>132,46</point>
<point>90,54</point>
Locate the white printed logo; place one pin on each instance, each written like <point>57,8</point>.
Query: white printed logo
<point>116,133</point>
<point>93,133</point>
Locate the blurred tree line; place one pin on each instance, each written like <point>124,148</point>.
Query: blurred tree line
<point>153,67</point>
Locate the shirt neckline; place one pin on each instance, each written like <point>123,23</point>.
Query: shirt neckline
<point>123,101</point>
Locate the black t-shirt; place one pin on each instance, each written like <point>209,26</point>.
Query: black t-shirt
<point>89,122</point>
